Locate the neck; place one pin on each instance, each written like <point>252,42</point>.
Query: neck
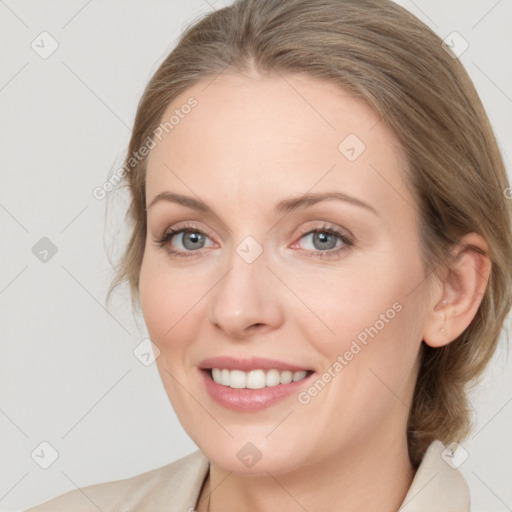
<point>374,476</point>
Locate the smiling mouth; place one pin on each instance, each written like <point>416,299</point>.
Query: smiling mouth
<point>255,379</point>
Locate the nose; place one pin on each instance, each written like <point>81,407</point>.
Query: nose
<point>246,300</point>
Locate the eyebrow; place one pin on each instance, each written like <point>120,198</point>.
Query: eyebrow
<point>282,207</point>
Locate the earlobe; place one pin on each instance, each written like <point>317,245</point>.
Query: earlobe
<point>462,291</point>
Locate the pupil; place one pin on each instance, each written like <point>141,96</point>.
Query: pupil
<point>191,239</point>
<point>323,238</point>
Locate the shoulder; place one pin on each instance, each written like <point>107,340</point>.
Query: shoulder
<point>175,486</point>
<point>438,484</point>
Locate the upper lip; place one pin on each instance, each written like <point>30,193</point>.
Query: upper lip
<point>247,364</point>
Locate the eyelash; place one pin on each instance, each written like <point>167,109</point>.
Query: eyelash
<point>347,241</point>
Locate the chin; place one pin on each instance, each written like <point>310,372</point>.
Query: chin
<point>249,459</point>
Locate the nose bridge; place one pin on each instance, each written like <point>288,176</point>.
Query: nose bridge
<point>245,296</point>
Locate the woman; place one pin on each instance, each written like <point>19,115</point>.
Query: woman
<point>320,249</point>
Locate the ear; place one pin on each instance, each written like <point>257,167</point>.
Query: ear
<point>462,290</point>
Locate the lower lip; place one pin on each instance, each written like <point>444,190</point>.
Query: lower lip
<point>250,399</point>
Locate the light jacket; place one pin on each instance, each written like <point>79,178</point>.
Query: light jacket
<point>436,487</point>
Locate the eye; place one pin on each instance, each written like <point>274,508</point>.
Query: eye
<point>189,240</point>
<point>326,241</point>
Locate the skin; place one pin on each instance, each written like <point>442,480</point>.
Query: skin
<point>251,142</point>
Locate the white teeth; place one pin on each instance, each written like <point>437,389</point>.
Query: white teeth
<point>255,379</point>
<point>272,378</point>
<point>237,379</point>
<point>286,377</point>
<point>224,377</point>
<point>216,374</point>
<point>299,375</point>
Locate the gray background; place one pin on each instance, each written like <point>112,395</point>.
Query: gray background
<point>68,372</point>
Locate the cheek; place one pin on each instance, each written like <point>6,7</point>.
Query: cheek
<point>166,300</point>
<point>371,319</point>
<point>359,300</point>
<point>167,306</point>
<point>370,362</point>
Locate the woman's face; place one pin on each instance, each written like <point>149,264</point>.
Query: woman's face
<point>270,281</point>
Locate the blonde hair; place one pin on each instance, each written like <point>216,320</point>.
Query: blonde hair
<point>381,53</point>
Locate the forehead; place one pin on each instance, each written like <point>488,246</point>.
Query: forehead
<point>256,139</point>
